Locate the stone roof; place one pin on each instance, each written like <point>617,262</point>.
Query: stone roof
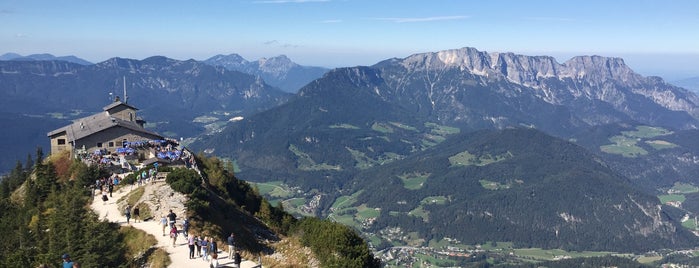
<point>95,123</point>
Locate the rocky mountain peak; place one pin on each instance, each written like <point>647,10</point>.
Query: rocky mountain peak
<point>279,63</point>
<point>599,68</point>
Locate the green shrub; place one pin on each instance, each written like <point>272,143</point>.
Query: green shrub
<point>184,180</point>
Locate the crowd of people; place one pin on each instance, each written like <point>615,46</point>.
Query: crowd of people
<point>200,247</point>
<point>204,248</point>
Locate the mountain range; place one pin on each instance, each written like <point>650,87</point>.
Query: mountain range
<point>277,71</point>
<point>177,98</point>
<point>518,148</point>
<point>43,57</point>
<point>374,119</point>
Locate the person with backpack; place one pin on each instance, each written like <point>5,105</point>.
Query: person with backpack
<point>213,251</point>
<point>172,217</point>
<point>173,234</point>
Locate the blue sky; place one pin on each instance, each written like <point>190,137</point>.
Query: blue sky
<point>654,37</point>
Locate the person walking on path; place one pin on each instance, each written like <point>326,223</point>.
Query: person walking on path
<point>163,222</point>
<point>111,189</point>
<point>172,217</point>
<point>205,248</point>
<point>173,234</point>
<point>185,227</point>
<point>231,245</point>
<point>128,213</point>
<point>197,243</point>
<point>236,259</point>
<point>213,251</point>
<point>190,242</point>
<point>136,214</point>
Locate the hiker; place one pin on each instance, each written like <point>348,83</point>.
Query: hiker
<point>197,243</point>
<point>104,198</point>
<point>213,262</point>
<point>231,245</point>
<point>67,263</point>
<point>163,222</point>
<point>136,214</point>
<point>236,259</point>
<point>205,248</point>
<point>128,213</point>
<point>173,234</point>
<point>213,249</point>
<point>172,217</point>
<point>111,189</point>
<point>185,226</point>
<point>190,243</point>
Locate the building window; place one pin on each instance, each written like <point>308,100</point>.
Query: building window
<point>61,141</point>
<point>111,144</point>
<point>99,145</point>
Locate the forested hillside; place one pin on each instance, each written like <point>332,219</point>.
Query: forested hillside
<point>517,185</point>
<point>44,213</point>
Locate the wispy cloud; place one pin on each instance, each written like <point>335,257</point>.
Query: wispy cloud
<point>288,1</point>
<point>21,35</point>
<point>276,43</point>
<point>555,19</point>
<point>422,19</point>
<point>331,21</point>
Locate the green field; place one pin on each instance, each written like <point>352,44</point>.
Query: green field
<point>403,126</point>
<point>420,212</point>
<point>414,181</point>
<point>364,212</point>
<point>625,146</point>
<point>646,132</point>
<point>436,200</point>
<point>344,126</point>
<point>492,185</point>
<point>465,158</point>
<point>442,130</point>
<point>274,189</point>
<point>552,254</point>
<point>661,144</point>
<point>684,188</point>
<point>305,162</point>
<point>671,198</point>
<point>382,127</point>
<point>345,201</point>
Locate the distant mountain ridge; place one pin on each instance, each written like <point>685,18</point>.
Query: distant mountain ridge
<point>588,85</point>
<point>44,57</point>
<point>278,71</point>
<point>359,128</point>
<point>176,98</point>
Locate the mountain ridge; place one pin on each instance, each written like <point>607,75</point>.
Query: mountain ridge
<point>278,71</point>
<point>43,57</point>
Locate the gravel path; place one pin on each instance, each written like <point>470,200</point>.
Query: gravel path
<point>179,254</point>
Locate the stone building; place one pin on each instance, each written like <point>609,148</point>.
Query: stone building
<point>107,130</point>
